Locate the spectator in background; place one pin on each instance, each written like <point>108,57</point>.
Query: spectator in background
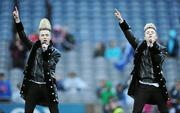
<point>73,83</point>
<point>59,83</point>
<point>127,55</point>
<point>99,50</point>
<point>58,36</point>
<point>113,52</point>
<point>63,39</point>
<point>34,37</point>
<point>120,94</point>
<point>172,44</point>
<point>5,89</point>
<point>175,95</point>
<point>114,106</point>
<point>104,92</point>
<point>18,53</point>
<point>16,97</point>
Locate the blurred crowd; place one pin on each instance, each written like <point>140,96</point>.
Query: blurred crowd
<point>115,97</point>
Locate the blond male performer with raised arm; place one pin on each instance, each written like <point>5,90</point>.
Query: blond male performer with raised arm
<point>39,83</point>
<point>148,84</point>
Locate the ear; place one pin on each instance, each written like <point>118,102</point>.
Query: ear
<point>50,35</point>
<point>156,36</point>
<point>145,38</point>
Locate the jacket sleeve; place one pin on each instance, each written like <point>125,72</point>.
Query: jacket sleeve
<point>158,53</point>
<point>128,34</point>
<point>52,60</point>
<point>22,35</point>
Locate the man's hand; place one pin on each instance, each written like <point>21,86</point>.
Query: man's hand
<point>16,15</point>
<point>150,42</point>
<point>44,47</point>
<point>118,16</point>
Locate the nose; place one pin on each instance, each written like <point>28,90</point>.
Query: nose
<point>150,34</point>
<point>45,37</point>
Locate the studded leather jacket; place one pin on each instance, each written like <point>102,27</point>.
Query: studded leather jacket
<point>147,62</point>
<point>146,73</point>
<point>47,60</point>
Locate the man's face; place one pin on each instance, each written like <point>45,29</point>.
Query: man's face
<point>45,36</point>
<point>150,35</point>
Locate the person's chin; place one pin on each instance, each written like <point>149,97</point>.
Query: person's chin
<point>44,42</point>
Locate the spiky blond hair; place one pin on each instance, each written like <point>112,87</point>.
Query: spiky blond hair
<point>149,25</point>
<point>44,24</point>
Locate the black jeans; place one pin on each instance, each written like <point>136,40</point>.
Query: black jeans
<point>146,93</point>
<point>35,93</point>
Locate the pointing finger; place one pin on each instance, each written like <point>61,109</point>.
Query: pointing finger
<point>116,10</point>
<point>15,8</point>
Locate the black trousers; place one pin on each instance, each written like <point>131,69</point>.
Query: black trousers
<point>147,93</point>
<point>35,93</point>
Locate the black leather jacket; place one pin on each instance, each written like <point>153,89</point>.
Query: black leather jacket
<point>157,54</point>
<point>50,59</point>
<point>146,67</point>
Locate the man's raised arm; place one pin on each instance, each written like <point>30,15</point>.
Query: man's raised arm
<point>20,29</point>
<point>126,29</point>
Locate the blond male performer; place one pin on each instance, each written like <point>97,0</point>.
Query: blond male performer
<point>148,84</point>
<point>39,83</point>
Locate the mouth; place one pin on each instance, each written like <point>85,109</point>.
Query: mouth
<point>44,41</point>
<point>150,41</point>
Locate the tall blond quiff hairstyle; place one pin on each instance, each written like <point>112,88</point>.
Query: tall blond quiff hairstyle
<point>44,25</point>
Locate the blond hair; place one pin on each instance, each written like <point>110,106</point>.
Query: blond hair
<point>149,25</point>
<point>44,24</point>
